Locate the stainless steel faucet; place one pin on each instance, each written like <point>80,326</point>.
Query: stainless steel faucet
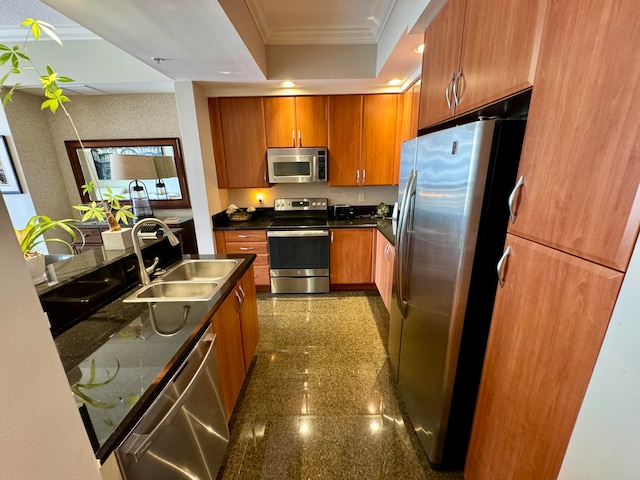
<point>173,240</point>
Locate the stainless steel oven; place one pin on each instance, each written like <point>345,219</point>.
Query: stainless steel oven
<point>299,241</point>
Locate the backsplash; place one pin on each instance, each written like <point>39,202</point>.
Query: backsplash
<point>247,197</point>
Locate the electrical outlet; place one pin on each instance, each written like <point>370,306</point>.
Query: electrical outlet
<point>361,197</point>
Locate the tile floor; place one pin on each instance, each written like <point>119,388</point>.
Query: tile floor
<point>320,402</point>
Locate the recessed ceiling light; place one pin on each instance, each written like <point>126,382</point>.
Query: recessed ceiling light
<point>419,48</point>
<point>394,82</point>
<point>288,84</point>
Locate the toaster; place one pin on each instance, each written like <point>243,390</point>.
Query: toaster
<point>342,212</point>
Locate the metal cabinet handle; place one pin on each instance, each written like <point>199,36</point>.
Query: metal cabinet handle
<point>244,236</point>
<point>512,198</point>
<point>239,306</point>
<point>447,95</point>
<point>244,295</point>
<point>358,176</point>
<point>245,249</point>
<point>332,236</point>
<point>387,249</point>
<point>299,138</point>
<point>458,86</point>
<point>501,266</point>
<point>364,176</point>
<point>293,138</point>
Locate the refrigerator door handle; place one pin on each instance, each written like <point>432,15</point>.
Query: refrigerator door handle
<point>400,271</point>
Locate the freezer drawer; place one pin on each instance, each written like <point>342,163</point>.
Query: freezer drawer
<point>184,434</point>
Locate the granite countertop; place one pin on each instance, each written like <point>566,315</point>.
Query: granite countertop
<point>263,217</point>
<point>130,339</point>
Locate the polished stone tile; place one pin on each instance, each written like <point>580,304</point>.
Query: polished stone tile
<point>320,402</point>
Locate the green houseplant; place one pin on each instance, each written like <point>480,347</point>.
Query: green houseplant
<point>32,235</point>
<point>107,207</point>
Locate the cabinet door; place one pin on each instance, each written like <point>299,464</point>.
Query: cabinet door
<point>245,146</point>
<point>226,325</point>
<point>380,147</point>
<point>351,256</point>
<point>500,50</point>
<point>440,62</point>
<point>249,316</point>
<point>385,256</point>
<point>548,323</point>
<point>345,130</point>
<point>280,121</point>
<point>311,121</point>
<point>580,154</point>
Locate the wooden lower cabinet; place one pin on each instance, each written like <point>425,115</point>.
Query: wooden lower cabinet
<point>385,256</point>
<point>548,323</point>
<point>351,256</point>
<point>248,316</point>
<point>247,241</point>
<point>226,325</point>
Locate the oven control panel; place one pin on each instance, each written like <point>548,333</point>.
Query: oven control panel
<point>299,204</point>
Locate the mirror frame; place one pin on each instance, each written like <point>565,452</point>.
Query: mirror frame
<point>72,151</point>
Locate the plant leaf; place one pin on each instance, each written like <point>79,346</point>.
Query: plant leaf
<point>48,29</point>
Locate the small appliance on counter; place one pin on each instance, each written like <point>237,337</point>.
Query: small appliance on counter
<point>343,212</point>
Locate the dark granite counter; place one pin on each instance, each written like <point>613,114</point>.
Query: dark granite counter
<point>263,217</point>
<point>127,342</point>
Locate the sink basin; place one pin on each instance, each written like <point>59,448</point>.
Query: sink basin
<point>175,291</point>
<point>200,270</point>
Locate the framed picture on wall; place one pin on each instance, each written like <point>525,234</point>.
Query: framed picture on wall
<point>8,180</point>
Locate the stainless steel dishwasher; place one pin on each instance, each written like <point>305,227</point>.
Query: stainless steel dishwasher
<point>184,433</point>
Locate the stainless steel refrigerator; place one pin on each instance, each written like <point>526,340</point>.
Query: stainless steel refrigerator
<point>453,197</point>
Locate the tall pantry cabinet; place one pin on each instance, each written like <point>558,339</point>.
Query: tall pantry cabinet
<point>577,219</point>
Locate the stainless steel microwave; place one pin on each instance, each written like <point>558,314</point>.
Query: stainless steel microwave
<point>297,165</point>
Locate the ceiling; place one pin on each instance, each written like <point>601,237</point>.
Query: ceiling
<point>228,46</point>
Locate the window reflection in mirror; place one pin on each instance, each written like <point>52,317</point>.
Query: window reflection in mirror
<point>158,159</point>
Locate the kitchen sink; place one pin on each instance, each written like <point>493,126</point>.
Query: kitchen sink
<point>200,270</point>
<point>175,291</point>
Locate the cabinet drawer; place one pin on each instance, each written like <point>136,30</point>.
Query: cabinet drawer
<point>245,236</point>
<point>246,247</point>
<point>262,260</point>
<point>261,274</point>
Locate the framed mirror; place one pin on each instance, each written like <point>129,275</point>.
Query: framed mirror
<point>160,159</point>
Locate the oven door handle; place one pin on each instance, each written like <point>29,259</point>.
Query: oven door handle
<point>297,233</point>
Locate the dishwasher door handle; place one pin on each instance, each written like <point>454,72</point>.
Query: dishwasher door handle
<point>137,444</point>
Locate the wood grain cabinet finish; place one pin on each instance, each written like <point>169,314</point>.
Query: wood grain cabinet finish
<point>229,350</point>
<point>239,141</point>
<point>478,52</point>
<point>248,309</point>
<point>351,256</point>
<point>296,121</point>
<point>345,139</point>
<point>364,139</point>
<point>548,324</point>
<point>384,260</point>
<point>247,241</point>
<point>580,155</point>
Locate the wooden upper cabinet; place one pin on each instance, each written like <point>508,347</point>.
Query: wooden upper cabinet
<point>440,63</point>
<point>345,131</point>
<point>351,256</point>
<point>239,141</point>
<point>548,323</point>
<point>478,52</point>
<point>580,155</point>
<point>499,50</point>
<point>380,145</point>
<point>296,121</point>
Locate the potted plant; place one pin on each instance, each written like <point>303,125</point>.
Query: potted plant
<point>108,208</point>
<point>32,235</point>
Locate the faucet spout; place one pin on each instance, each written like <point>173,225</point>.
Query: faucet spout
<point>173,240</point>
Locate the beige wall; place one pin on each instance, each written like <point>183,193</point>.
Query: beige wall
<point>39,137</point>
